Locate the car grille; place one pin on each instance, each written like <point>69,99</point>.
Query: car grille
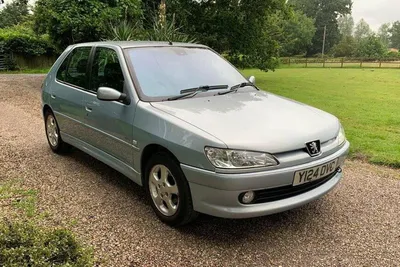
<point>278,193</point>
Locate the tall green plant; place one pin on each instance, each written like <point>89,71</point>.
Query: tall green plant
<point>168,31</point>
<point>125,31</point>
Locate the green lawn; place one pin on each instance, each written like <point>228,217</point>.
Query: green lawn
<point>366,101</point>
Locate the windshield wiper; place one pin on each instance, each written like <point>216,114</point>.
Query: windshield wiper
<point>237,86</point>
<point>190,92</point>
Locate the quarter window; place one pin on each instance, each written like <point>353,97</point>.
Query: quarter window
<point>73,69</point>
<point>106,70</point>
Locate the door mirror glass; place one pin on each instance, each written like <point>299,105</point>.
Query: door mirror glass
<point>252,79</point>
<point>110,94</point>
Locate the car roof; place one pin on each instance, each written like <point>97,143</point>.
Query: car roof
<point>133,44</point>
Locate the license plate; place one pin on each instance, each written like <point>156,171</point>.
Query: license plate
<point>316,173</point>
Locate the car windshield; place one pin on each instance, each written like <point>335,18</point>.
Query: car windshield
<point>166,71</point>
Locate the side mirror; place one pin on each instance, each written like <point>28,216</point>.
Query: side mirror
<point>252,79</point>
<point>110,94</point>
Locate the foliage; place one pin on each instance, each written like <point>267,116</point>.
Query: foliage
<point>14,13</point>
<point>23,244</point>
<point>362,30</point>
<point>22,40</point>
<point>345,48</point>
<point>395,32</point>
<point>167,31</point>
<point>69,22</point>
<point>325,13</point>
<point>235,28</point>
<point>346,25</point>
<point>125,31</point>
<point>161,31</point>
<point>384,34</point>
<point>370,47</point>
<point>366,102</point>
<point>294,34</point>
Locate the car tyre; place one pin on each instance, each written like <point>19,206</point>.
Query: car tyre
<point>56,144</point>
<point>169,194</point>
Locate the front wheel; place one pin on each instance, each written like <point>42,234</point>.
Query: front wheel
<point>168,190</point>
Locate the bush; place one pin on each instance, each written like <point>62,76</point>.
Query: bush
<point>167,31</point>
<point>25,42</point>
<point>392,55</point>
<point>23,244</point>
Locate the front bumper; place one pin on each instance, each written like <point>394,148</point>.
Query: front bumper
<point>217,193</point>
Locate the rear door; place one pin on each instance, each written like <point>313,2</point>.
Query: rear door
<point>110,122</point>
<point>68,90</point>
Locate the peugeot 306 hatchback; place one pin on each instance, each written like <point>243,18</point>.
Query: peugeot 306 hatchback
<point>182,122</point>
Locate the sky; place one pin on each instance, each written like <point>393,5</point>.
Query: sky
<point>374,12</point>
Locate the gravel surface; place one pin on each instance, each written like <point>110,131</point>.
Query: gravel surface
<point>357,224</point>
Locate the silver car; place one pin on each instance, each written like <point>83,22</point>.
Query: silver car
<point>181,121</point>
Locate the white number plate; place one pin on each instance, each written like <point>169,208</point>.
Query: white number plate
<point>313,174</point>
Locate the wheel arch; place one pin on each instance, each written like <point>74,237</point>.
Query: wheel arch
<point>46,108</point>
<point>150,150</point>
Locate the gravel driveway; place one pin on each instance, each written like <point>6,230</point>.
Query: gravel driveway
<point>357,224</point>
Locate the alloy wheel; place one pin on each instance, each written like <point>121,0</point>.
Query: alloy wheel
<point>164,190</point>
<point>52,130</point>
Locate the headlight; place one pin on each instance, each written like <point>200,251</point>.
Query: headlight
<point>341,138</point>
<point>235,159</point>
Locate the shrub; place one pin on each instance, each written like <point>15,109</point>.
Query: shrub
<point>392,55</point>
<point>160,31</point>
<point>168,31</point>
<point>25,42</point>
<point>23,244</point>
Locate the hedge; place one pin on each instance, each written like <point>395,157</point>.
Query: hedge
<point>23,41</point>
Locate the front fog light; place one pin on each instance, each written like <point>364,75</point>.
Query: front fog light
<point>248,197</point>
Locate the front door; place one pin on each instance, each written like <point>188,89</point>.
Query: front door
<point>109,122</point>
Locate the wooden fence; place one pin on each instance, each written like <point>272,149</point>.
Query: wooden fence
<point>340,63</point>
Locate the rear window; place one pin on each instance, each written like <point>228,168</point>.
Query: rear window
<point>74,68</point>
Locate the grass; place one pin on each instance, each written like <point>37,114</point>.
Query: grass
<point>366,101</point>
<point>27,240</point>
<point>27,71</point>
<point>23,200</point>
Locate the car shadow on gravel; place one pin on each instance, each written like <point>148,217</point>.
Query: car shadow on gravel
<point>221,230</point>
<point>208,228</point>
<point>108,174</point>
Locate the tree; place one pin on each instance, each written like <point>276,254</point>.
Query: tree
<point>371,47</point>
<point>346,25</point>
<point>363,30</point>
<point>236,28</point>
<point>294,34</point>
<point>325,13</point>
<point>69,22</point>
<point>14,13</point>
<point>395,38</point>
<point>384,34</point>
<point>345,48</point>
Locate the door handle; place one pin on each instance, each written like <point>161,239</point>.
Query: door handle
<point>88,109</point>
<point>53,96</point>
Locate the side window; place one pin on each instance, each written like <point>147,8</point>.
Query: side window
<point>73,69</point>
<point>106,70</point>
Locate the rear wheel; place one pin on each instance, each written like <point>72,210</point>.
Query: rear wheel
<point>53,134</point>
<point>168,190</point>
